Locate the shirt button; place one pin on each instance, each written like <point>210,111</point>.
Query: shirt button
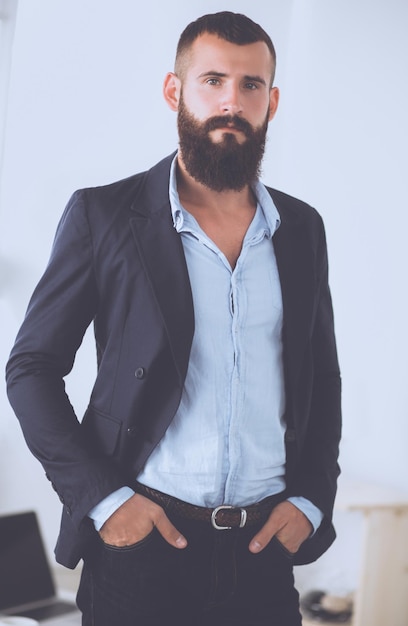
<point>140,373</point>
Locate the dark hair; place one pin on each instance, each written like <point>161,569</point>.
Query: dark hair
<point>233,27</point>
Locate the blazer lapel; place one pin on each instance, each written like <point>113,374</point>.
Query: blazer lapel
<point>162,255</point>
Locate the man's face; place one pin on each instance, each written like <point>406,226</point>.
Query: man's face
<point>224,102</point>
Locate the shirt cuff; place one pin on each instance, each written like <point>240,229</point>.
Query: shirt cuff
<point>102,511</point>
<point>313,514</point>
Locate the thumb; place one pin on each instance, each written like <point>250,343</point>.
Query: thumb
<point>268,530</point>
<point>170,532</point>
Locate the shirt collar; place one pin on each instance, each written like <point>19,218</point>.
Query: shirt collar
<point>269,210</point>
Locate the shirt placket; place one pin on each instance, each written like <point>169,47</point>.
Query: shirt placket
<point>238,314</point>
<point>239,310</point>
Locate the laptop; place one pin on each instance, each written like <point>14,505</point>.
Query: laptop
<point>27,587</point>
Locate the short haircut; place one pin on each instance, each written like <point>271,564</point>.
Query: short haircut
<point>233,27</point>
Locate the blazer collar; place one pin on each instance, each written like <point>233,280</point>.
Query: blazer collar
<point>153,196</point>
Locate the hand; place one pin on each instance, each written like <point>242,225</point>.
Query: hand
<point>290,526</point>
<point>135,519</point>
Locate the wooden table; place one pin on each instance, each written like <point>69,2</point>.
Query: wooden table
<point>382,595</point>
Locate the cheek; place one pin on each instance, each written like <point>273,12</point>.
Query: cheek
<point>201,104</point>
<point>259,113</point>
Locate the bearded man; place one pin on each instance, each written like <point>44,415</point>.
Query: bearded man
<point>205,466</point>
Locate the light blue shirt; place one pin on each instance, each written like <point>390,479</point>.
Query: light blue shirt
<point>225,444</point>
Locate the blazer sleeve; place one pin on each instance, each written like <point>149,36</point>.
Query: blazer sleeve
<point>63,305</point>
<point>313,412</point>
<point>317,469</point>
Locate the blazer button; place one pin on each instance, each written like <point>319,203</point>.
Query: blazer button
<point>290,435</point>
<point>131,431</point>
<point>140,373</point>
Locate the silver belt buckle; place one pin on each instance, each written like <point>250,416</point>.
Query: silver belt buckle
<point>225,507</point>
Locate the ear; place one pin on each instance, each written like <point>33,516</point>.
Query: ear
<point>171,90</point>
<point>273,102</point>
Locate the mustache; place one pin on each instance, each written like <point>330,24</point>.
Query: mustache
<point>220,121</point>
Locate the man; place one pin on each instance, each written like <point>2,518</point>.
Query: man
<point>206,463</point>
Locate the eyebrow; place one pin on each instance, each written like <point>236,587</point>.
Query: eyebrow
<point>253,79</point>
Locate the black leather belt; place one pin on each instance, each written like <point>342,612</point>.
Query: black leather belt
<point>223,517</point>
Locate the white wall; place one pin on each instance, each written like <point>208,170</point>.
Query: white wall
<point>85,108</point>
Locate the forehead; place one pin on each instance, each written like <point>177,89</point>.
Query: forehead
<point>211,53</point>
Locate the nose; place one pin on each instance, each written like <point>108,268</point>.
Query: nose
<point>231,100</point>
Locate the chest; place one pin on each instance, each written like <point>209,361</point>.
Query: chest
<point>227,231</point>
<point>228,239</point>
<point>246,297</point>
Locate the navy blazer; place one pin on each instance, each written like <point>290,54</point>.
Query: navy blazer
<point>118,262</point>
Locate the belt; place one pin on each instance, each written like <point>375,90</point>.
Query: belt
<point>223,517</point>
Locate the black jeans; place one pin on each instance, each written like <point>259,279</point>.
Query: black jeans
<point>215,581</point>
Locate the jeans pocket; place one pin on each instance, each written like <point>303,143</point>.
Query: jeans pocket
<point>132,547</point>
<point>275,542</point>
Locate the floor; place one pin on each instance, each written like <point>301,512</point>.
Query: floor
<point>307,622</point>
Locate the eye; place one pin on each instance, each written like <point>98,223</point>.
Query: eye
<point>251,86</point>
<point>213,81</point>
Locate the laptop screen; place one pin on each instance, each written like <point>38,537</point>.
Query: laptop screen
<point>24,570</point>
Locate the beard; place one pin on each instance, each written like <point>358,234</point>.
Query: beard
<point>224,165</point>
